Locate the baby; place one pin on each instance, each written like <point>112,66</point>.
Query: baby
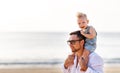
<point>90,33</point>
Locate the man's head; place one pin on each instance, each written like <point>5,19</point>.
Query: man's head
<point>76,41</point>
<point>82,20</point>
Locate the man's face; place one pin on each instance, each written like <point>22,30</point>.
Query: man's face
<point>74,43</point>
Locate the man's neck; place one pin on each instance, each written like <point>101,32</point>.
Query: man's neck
<point>80,52</point>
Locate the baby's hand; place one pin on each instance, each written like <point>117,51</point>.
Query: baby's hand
<point>82,32</point>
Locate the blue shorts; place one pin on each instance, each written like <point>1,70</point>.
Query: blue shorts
<point>90,47</point>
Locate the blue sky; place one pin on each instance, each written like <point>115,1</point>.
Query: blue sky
<point>58,15</point>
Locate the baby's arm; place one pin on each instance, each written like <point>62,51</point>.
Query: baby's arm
<point>92,33</point>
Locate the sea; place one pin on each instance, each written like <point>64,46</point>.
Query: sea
<point>38,49</point>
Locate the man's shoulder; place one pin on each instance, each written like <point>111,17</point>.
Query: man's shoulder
<point>95,56</point>
<point>95,59</point>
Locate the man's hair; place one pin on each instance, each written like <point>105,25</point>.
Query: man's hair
<point>79,35</point>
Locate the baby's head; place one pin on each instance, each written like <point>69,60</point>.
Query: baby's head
<point>82,20</point>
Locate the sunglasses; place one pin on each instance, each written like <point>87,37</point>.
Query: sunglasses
<point>72,42</point>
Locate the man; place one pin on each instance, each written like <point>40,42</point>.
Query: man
<point>74,62</point>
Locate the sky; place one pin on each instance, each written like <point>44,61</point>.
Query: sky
<point>58,15</point>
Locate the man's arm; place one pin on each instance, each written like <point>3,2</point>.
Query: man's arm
<point>91,35</point>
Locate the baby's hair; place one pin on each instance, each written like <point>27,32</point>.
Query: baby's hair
<point>81,15</point>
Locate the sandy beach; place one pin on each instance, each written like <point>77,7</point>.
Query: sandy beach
<point>54,69</point>
<point>112,68</point>
<point>32,70</point>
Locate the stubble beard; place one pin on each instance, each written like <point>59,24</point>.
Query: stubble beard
<point>76,50</point>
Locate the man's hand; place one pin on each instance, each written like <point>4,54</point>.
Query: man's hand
<point>83,64</point>
<point>69,61</point>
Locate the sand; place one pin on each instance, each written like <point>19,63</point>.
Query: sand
<point>112,68</point>
<point>54,69</point>
<point>31,70</point>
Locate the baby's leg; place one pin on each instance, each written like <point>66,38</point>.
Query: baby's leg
<point>85,57</point>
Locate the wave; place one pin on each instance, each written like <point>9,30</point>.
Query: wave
<point>33,62</point>
<point>112,61</point>
<point>51,62</point>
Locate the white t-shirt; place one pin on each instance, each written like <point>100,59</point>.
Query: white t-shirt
<point>95,65</point>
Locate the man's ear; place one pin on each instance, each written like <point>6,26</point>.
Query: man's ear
<point>82,42</point>
<point>87,21</point>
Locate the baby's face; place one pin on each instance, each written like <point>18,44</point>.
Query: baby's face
<point>82,22</point>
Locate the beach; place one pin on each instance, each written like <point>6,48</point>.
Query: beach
<point>25,52</point>
<point>53,69</point>
<point>112,68</point>
<point>32,70</point>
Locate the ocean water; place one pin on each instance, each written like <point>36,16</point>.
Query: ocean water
<point>41,48</point>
